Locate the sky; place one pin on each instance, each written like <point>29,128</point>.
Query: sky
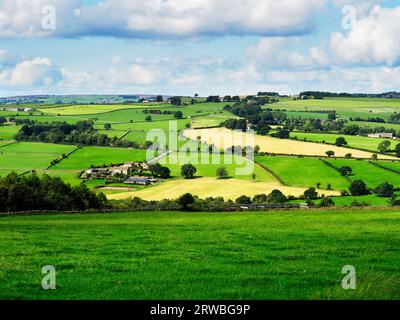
<point>208,47</point>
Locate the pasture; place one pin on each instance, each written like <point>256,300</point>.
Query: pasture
<point>370,174</point>
<point>93,108</point>
<point>304,172</point>
<point>171,255</point>
<point>97,156</point>
<point>224,138</point>
<point>7,132</point>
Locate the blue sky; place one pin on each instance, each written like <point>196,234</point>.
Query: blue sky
<point>198,46</point>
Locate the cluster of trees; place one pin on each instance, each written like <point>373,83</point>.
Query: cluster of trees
<point>160,171</point>
<point>3,120</point>
<point>31,192</point>
<point>370,119</point>
<point>82,133</point>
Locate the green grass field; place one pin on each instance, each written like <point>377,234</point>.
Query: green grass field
<point>8,132</point>
<point>97,156</point>
<point>169,255</point>
<point>207,166</point>
<point>365,143</point>
<point>370,174</point>
<point>24,156</point>
<point>304,172</point>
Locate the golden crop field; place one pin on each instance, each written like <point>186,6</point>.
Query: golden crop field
<point>225,138</point>
<point>211,187</point>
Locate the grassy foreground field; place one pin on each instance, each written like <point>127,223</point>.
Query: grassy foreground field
<point>170,255</point>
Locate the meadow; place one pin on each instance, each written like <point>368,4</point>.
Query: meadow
<point>370,174</point>
<point>304,172</point>
<point>170,255</point>
<point>7,132</point>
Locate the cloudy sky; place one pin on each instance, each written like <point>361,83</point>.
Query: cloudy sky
<point>182,47</point>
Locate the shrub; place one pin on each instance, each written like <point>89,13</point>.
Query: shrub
<point>243,200</point>
<point>327,202</point>
<point>384,190</point>
<point>345,171</point>
<point>358,188</point>
<point>310,194</point>
<point>188,171</point>
<point>222,173</point>
<point>260,198</point>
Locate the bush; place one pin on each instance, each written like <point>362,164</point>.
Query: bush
<point>384,190</point>
<point>260,198</point>
<point>327,202</point>
<point>186,200</point>
<point>311,194</point>
<point>188,171</point>
<point>243,200</point>
<point>276,196</point>
<point>222,173</point>
<point>358,188</point>
<point>345,171</point>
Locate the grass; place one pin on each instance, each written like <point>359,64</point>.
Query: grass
<point>25,156</point>
<point>370,174</point>
<point>94,109</point>
<point>169,255</point>
<point>304,172</point>
<point>7,132</point>
<point>207,166</point>
<point>87,156</point>
<point>212,187</point>
<point>224,138</point>
<point>353,141</point>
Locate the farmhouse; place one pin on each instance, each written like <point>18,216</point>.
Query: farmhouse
<point>138,180</point>
<point>381,135</point>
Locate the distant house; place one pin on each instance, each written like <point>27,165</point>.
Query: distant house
<point>384,135</point>
<point>138,180</point>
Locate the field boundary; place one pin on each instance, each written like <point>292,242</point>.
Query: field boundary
<point>62,158</point>
<point>275,175</point>
<point>336,169</point>
<point>383,167</point>
<point>8,144</point>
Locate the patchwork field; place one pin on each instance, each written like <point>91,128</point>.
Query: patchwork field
<point>97,156</point>
<point>353,141</point>
<point>169,255</point>
<point>224,138</point>
<point>93,109</point>
<point>238,167</point>
<point>370,174</point>
<point>212,187</point>
<point>304,172</point>
<point>7,132</point>
<point>23,156</point>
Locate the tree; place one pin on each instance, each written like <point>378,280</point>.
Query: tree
<point>185,200</point>
<point>148,118</point>
<point>107,126</point>
<point>164,173</point>
<point>330,153</point>
<point>358,188</point>
<point>177,101</point>
<point>327,202</point>
<point>374,156</point>
<point>243,200</point>
<point>257,149</point>
<point>311,194</point>
<point>188,171</point>
<point>178,115</point>
<point>340,141</point>
<point>222,173</point>
<point>332,116</point>
<point>345,171</point>
<point>348,155</point>
<point>384,190</point>
<point>384,146</point>
<point>159,98</point>
<point>282,134</point>
<point>397,149</point>
<point>260,198</point>
<point>276,196</point>
<point>2,120</point>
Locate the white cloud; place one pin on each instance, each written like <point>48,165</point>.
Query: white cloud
<point>160,18</point>
<point>37,71</point>
<point>372,41</point>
